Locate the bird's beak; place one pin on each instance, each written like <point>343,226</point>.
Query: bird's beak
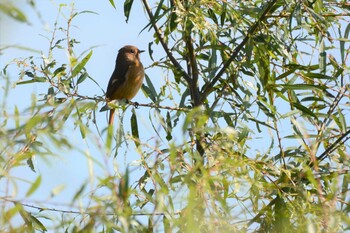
<point>141,51</point>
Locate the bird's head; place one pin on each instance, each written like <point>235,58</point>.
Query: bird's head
<point>130,53</point>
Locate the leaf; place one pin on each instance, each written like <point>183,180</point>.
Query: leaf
<point>127,8</point>
<point>304,110</point>
<point>112,3</point>
<point>12,11</point>
<point>302,86</point>
<point>134,128</point>
<point>124,186</point>
<point>322,58</point>
<point>109,137</point>
<point>34,80</point>
<point>34,186</point>
<point>169,127</point>
<point>78,194</point>
<point>150,50</point>
<point>81,65</point>
<point>30,164</point>
<point>55,191</point>
<point>342,43</point>
<point>152,91</point>
<point>37,223</point>
<point>345,189</point>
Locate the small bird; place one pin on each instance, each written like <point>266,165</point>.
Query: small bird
<point>127,77</point>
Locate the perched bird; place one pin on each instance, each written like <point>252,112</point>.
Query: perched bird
<point>127,77</point>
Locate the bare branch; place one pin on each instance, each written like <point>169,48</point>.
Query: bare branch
<point>76,211</point>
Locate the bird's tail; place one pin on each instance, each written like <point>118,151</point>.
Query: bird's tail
<point>111,116</point>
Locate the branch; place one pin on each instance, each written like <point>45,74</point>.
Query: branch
<point>78,212</point>
<point>151,105</point>
<point>334,146</point>
<point>209,86</point>
<point>162,41</point>
<point>193,85</point>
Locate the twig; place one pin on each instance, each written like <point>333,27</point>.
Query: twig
<point>151,105</point>
<point>78,212</point>
<point>334,146</point>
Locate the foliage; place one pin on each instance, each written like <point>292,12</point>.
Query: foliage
<point>250,131</point>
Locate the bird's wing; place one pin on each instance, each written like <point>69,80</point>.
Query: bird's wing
<point>117,79</point>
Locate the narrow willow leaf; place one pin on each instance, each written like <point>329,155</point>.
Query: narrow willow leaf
<point>127,9</point>
<point>12,11</point>
<point>34,186</point>
<point>318,76</point>
<point>345,189</point>
<point>304,110</point>
<point>78,193</point>
<point>31,164</point>
<point>82,77</point>
<point>134,128</point>
<point>152,93</point>
<point>322,58</point>
<point>81,65</point>
<point>35,80</point>
<point>109,137</point>
<point>17,116</point>
<point>169,127</point>
<point>302,86</point>
<point>342,43</point>
<point>37,223</point>
<point>112,3</point>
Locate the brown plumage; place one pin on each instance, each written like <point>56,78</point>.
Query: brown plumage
<point>127,77</point>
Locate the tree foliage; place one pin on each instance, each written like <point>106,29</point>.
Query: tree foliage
<point>250,132</point>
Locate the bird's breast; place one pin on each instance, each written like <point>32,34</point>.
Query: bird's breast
<point>133,82</point>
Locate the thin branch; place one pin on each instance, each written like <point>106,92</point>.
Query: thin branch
<point>209,86</point>
<point>334,146</point>
<point>162,41</point>
<point>151,105</point>
<point>78,212</point>
<point>195,73</point>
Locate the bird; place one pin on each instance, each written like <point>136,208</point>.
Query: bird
<point>127,77</point>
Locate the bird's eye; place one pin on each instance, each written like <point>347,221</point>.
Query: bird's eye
<point>132,51</point>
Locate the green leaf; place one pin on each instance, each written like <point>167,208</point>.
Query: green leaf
<point>322,59</point>
<point>81,65</point>
<point>342,43</point>
<point>134,128</point>
<point>318,76</point>
<point>37,223</point>
<point>127,8</point>
<point>169,127</point>
<point>112,3</point>
<point>302,86</point>
<point>304,110</point>
<point>31,164</point>
<point>34,80</point>
<point>151,92</point>
<point>12,11</point>
<point>78,194</point>
<point>34,186</point>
